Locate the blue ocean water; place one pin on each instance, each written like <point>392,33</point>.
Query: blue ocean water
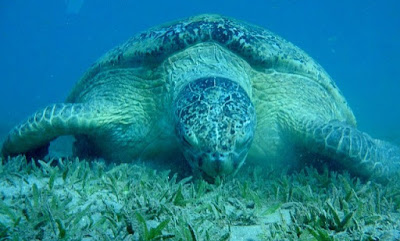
<point>47,45</point>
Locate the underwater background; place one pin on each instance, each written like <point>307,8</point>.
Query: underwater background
<point>47,45</point>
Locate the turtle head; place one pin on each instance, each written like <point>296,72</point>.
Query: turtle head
<point>214,121</point>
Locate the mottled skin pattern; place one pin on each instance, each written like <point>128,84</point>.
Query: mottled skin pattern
<point>215,122</point>
<point>128,106</point>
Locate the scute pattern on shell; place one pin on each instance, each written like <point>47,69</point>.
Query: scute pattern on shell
<point>259,47</point>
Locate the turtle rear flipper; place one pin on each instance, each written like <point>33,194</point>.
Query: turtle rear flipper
<point>32,137</point>
<point>353,149</point>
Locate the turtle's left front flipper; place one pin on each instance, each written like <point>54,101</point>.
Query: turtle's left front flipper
<point>353,149</point>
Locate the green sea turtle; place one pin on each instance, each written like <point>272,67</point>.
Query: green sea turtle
<point>214,89</point>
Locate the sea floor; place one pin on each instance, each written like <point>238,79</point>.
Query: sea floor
<point>65,198</point>
<point>72,199</point>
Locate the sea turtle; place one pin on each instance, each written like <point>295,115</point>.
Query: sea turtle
<point>214,89</point>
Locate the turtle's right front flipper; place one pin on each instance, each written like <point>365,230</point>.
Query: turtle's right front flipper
<point>32,137</point>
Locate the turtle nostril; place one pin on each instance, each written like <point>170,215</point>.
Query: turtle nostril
<point>217,156</point>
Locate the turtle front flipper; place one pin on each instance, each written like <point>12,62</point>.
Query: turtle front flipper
<point>351,148</point>
<point>32,137</point>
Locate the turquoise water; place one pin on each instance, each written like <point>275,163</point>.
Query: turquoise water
<point>47,46</point>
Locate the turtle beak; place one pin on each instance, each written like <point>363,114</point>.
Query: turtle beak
<point>222,164</point>
<point>217,164</point>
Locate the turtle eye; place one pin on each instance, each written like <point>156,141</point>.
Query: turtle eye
<point>186,141</point>
<point>190,139</point>
<point>244,141</point>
